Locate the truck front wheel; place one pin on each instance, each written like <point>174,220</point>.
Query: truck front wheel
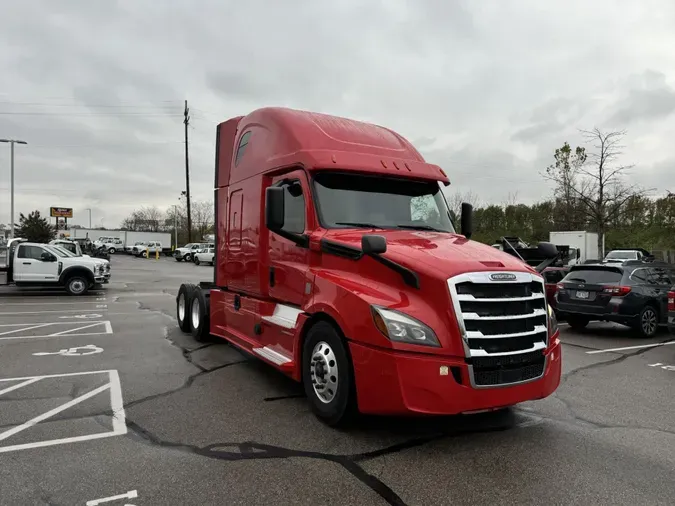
<point>327,375</point>
<point>77,285</point>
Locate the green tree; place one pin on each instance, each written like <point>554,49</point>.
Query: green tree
<point>35,228</point>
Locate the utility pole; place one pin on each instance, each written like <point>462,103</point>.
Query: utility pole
<point>186,121</point>
<point>11,185</point>
<point>175,224</point>
<point>89,217</point>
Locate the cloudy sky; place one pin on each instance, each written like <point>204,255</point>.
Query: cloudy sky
<point>487,89</point>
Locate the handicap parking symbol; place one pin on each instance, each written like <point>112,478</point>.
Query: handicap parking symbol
<point>77,351</point>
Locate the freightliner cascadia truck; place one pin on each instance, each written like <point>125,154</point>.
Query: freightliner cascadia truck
<point>338,264</point>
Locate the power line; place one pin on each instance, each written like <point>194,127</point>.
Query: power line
<point>93,114</point>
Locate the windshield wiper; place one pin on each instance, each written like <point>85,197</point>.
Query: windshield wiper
<point>357,224</point>
<point>420,227</point>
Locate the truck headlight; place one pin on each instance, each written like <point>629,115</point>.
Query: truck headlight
<point>552,321</point>
<point>402,328</point>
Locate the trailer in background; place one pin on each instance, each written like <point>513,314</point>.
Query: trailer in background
<point>585,244</point>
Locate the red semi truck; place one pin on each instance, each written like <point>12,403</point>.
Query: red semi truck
<point>337,263</point>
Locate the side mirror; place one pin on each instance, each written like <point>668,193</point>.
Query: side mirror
<point>547,249</point>
<point>373,244</point>
<point>467,220</point>
<point>274,208</point>
<point>47,257</point>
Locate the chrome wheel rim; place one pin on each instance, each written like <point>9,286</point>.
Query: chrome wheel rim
<point>323,372</point>
<point>77,286</point>
<point>181,307</point>
<point>195,314</point>
<point>649,322</point>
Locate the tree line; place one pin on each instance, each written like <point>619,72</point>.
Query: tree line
<point>153,219</point>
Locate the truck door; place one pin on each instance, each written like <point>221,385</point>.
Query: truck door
<point>29,265</point>
<point>288,262</point>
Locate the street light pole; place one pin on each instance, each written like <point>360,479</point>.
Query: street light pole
<point>11,184</point>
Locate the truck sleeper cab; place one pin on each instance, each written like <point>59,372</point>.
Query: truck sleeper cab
<point>337,263</point>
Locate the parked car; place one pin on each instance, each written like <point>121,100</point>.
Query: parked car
<point>621,255</point>
<point>553,276</point>
<point>151,248</point>
<point>205,257</point>
<point>203,249</point>
<point>633,293</point>
<point>130,249</point>
<point>186,252</point>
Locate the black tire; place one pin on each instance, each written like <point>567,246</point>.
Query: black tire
<point>187,257</point>
<point>647,323</point>
<point>200,304</point>
<point>112,251</point>
<point>144,254</point>
<point>183,305</point>
<point>178,259</point>
<point>577,322</point>
<point>196,261</point>
<point>341,409</point>
<point>77,285</point>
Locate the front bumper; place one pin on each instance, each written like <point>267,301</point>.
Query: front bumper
<point>397,383</point>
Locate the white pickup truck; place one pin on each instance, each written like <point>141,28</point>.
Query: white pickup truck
<point>29,264</point>
<point>188,251</point>
<point>150,248</point>
<point>112,244</point>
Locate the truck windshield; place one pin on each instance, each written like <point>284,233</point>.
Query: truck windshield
<point>61,252</point>
<point>354,200</point>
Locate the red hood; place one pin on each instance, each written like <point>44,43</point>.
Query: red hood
<point>439,254</point>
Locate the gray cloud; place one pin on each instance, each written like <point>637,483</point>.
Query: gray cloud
<point>486,89</point>
<point>651,99</point>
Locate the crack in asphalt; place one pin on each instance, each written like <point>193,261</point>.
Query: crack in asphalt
<point>284,397</point>
<point>251,450</point>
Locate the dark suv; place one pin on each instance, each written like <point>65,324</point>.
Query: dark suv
<point>634,293</point>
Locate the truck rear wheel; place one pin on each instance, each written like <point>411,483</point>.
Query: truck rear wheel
<point>183,305</point>
<point>327,375</point>
<point>199,316</point>
<point>77,285</point>
<point>112,251</point>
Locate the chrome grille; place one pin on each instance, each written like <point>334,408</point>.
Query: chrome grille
<point>501,319</point>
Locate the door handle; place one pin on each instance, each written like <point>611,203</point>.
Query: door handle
<point>26,263</point>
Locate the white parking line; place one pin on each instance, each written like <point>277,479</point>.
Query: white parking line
<point>61,311</point>
<point>75,331</point>
<point>49,303</point>
<point>653,345</point>
<point>119,426</point>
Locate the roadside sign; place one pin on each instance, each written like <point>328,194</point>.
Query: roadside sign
<point>61,212</point>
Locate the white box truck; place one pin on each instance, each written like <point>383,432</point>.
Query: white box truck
<point>584,243</point>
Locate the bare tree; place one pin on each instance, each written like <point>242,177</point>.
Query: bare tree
<point>595,180</point>
<point>203,217</point>
<point>456,199</point>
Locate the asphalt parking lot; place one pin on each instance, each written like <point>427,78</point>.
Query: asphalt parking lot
<point>104,401</point>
